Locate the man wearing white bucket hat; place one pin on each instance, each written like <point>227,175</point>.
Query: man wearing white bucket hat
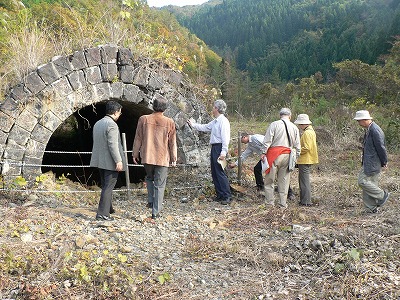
<point>374,158</point>
<point>308,157</point>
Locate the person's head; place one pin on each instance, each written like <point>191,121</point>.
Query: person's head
<point>160,104</point>
<point>302,121</point>
<point>244,138</point>
<point>363,118</point>
<point>285,113</point>
<point>113,108</point>
<point>219,107</point>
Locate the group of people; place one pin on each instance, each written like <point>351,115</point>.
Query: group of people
<point>275,148</point>
<point>155,147</point>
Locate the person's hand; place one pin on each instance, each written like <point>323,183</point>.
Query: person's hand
<point>119,167</point>
<point>135,161</point>
<point>221,157</point>
<point>173,164</point>
<point>232,165</point>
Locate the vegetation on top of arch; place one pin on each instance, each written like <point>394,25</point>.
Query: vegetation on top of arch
<point>35,31</point>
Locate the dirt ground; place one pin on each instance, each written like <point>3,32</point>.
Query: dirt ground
<point>52,248</point>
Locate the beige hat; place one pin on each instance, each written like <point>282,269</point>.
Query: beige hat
<point>362,115</point>
<point>303,119</point>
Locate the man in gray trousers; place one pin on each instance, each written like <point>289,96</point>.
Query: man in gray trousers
<point>374,158</point>
<point>108,157</point>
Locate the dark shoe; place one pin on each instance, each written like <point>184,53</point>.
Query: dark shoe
<point>384,199</point>
<point>104,218</point>
<point>149,204</point>
<point>226,201</point>
<point>306,204</point>
<point>217,199</point>
<point>112,210</point>
<point>157,216</point>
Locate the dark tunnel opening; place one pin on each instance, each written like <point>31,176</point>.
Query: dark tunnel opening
<point>75,135</point>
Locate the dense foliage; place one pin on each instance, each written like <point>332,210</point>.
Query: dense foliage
<point>287,39</point>
<point>32,31</point>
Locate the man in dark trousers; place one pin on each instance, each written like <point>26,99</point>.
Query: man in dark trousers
<point>255,145</point>
<point>374,158</point>
<point>220,130</point>
<point>108,157</point>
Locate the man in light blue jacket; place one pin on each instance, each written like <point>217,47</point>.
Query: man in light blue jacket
<point>108,157</point>
<point>374,158</point>
<point>255,145</point>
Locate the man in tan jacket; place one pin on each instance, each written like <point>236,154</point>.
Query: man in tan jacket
<point>155,146</point>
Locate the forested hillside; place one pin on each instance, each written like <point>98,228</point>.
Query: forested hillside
<point>33,31</point>
<point>305,40</point>
<point>287,39</point>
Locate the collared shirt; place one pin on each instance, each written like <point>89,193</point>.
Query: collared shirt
<point>276,136</point>
<point>255,145</point>
<point>309,152</point>
<point>220,129</point>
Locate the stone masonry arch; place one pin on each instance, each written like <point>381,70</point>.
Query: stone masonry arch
<point>35,108</point>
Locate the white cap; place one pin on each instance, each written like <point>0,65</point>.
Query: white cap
<point>362,115</point>
<point>303,119</point>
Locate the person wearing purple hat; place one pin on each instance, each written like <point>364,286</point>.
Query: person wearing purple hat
<point>374,158</point>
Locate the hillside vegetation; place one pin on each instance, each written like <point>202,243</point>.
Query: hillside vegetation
<point>32,32</point>
<point>326,58</point>
<point>289,39</point>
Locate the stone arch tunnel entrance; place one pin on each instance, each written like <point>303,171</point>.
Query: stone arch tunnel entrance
<point>75,135</point>
<point>56,105</point>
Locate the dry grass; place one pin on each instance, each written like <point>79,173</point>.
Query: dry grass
<point>247,251</point>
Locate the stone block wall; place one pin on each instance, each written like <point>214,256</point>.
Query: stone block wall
<point>34,108</point>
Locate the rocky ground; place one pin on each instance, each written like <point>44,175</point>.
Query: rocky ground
<point>52,248</point>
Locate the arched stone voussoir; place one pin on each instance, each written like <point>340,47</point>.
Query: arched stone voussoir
<point>49,95</point>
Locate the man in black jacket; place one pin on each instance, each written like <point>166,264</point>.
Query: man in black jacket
<point>374,158</point>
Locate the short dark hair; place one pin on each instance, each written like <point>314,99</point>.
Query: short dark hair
<point>160,104</point>
<point>112,107</point>
<point>244,134</point>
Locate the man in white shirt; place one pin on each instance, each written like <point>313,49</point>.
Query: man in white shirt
<point>220,136</point>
